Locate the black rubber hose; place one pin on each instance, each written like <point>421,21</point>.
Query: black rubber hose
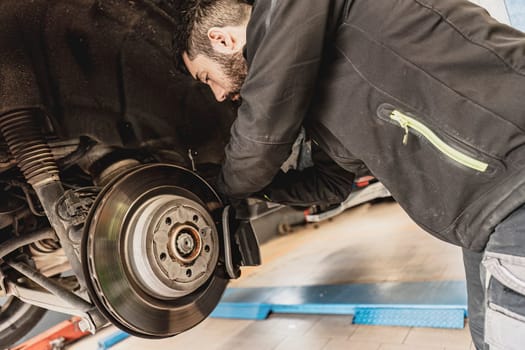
<point>84,146</point>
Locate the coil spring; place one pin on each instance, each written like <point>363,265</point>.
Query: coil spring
<point>28,146</point>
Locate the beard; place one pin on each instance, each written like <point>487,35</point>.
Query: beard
<point>235,70</point>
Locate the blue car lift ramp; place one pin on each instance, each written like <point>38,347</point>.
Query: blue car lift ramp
<point>411,304</point>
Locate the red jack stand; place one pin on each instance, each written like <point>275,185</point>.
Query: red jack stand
<point>55,338</point>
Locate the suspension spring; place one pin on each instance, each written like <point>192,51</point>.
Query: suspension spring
<point>28,146</point>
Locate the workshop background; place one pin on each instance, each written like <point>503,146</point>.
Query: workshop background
<point>367,279</point>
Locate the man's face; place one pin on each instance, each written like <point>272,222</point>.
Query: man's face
<point>224,74</point>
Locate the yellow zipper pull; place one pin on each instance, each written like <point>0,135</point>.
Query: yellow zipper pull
<point>404,124</point>
<point>405,137</point>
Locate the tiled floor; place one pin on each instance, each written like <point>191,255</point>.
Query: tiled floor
<point>371,243</point>
<point>290,332</point>
<point>368,244</point>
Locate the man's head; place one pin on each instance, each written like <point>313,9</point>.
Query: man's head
<point>211,39</point>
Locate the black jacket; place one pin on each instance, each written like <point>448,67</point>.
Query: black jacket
<point>428,94</point>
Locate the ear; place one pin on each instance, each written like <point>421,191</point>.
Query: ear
<point>222,40</point>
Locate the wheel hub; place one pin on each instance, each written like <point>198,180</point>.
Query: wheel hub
<point>185,243</point>
<point>166,236</point>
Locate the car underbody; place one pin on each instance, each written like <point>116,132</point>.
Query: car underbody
<point>106,155</point>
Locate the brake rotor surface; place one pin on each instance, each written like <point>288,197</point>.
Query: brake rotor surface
<point>150,251</point>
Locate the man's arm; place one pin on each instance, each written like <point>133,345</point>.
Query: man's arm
<point>283,70</point>
<point>324,183</point>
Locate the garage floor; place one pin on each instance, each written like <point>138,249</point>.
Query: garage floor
<point>369,244</point>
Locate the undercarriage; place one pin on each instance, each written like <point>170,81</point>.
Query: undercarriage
<point>107,153</point>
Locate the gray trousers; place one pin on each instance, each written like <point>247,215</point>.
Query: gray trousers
<point>496,287</point>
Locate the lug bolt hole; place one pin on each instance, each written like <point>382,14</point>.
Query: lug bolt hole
<point>188,272</point>
<point>195,218</point>
<point>168,221</point>
<point>207,249</point>
<point>163,256</point>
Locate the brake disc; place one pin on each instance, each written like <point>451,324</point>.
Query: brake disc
<point>151,249</point>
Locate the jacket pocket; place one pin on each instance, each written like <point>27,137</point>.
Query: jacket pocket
<point>410,124</point>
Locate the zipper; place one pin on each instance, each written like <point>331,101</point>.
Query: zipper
<point>407,123</point>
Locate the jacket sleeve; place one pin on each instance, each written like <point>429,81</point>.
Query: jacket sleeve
<point>324,183</point>
<point>283,70</point>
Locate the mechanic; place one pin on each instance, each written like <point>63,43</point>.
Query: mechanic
<point>429,95</point>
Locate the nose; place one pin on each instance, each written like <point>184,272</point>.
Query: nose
<point>219,92</point>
